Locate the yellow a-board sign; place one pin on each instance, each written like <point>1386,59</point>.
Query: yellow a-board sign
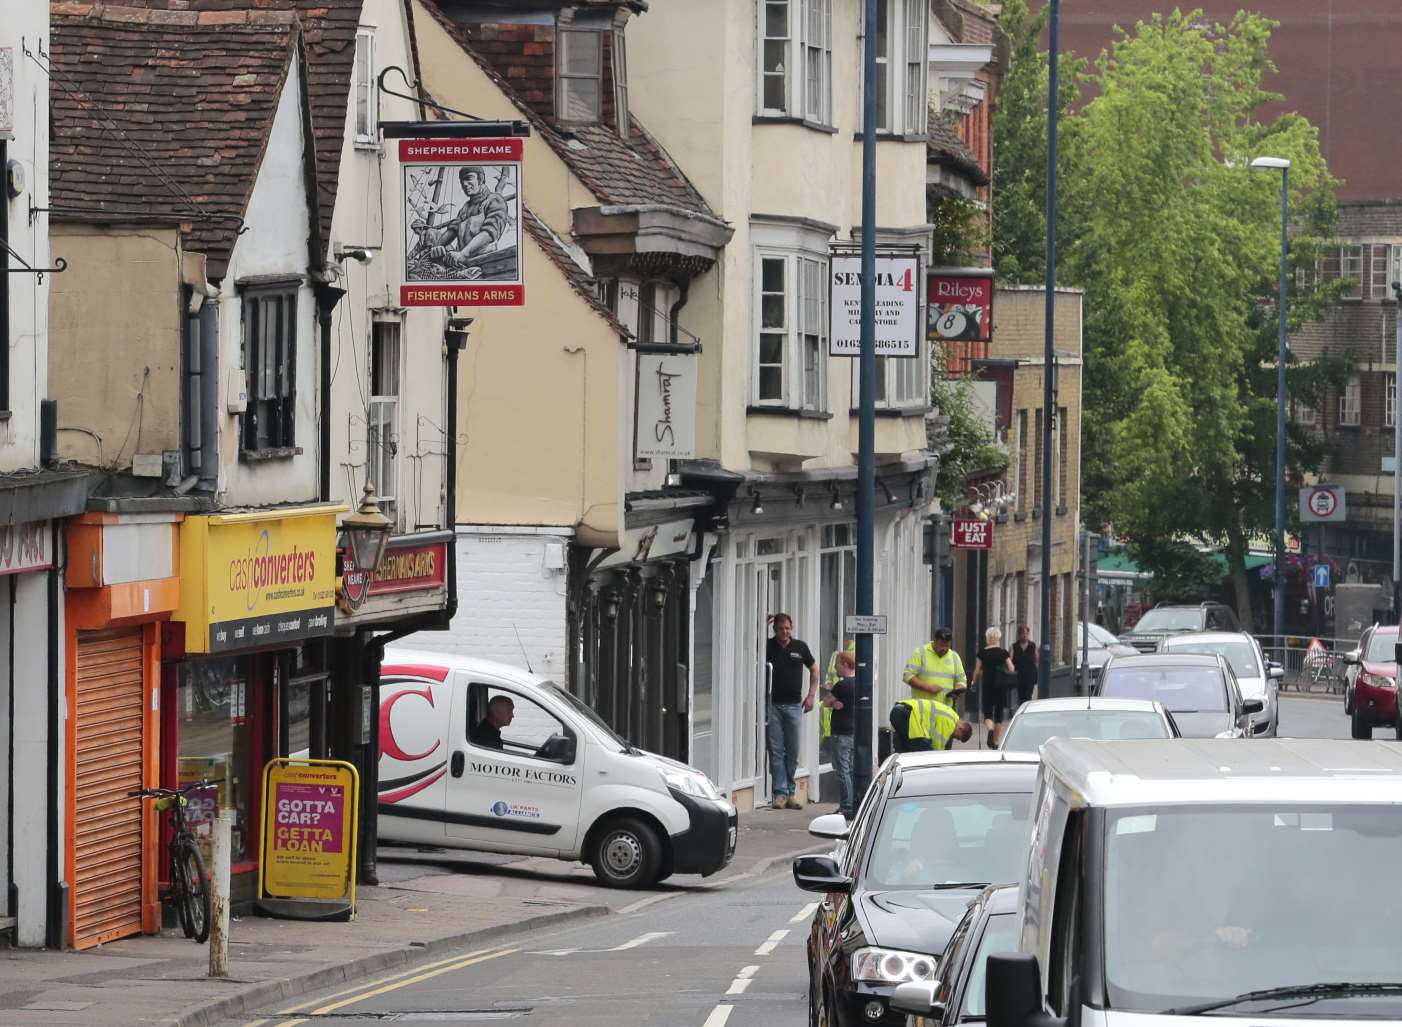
<point>309,839</point>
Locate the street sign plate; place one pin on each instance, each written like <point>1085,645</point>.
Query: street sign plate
<point>859,624</point>
<point>972,534</point>
<point>1323,504</point>
<point>1321,575</point>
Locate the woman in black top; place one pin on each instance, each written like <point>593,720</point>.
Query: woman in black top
<point>1025,661</point>
<point>993,663</point>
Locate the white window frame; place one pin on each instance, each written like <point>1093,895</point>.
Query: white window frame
<point>907,71</point>
<point>1390,399</point>
<point>807,38</point>
<point>1351,402</point>
<point>365,91</point>
<point>563,77</point>
<point>1301,414</point>
<point>382,408</point>
<point>798,389</point>
<point>1351,269</point>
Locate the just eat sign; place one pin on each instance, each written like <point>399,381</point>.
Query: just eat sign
<point>972,534</point>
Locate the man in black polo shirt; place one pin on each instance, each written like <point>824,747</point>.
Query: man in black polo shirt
<point>787,658</point>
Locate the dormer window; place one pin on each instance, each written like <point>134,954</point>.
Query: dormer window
<point>580,75</point>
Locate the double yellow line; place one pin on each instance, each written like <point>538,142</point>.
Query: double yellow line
<point>380,987</point>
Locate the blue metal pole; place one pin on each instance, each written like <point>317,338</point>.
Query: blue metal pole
<point>1278,626</point>
<point>1049,359</point>
<point>866,425</point>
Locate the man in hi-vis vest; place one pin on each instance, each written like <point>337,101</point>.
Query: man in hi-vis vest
<point>926,725</point>
<point>934,671</point>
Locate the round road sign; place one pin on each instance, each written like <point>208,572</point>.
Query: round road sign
<point>1323,502</point>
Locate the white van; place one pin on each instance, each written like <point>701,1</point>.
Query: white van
<point>1172,880</point>
<point>481,755</point>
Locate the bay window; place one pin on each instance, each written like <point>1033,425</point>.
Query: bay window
<point>902,44</point>
<point>791,366</point>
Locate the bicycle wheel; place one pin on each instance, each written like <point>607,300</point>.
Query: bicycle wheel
<point>194,895</point>
<point>178,888</point>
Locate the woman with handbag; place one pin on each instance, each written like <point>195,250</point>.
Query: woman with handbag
<point>995,670</point>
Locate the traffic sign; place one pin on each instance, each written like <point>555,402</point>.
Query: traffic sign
<point>1322,504</point>
<point>972,534</point>
<point>859,624</point>
<point>1321,575</point>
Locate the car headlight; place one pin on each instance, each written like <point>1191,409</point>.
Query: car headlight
<point>698,786</point>
<point>1377,681</point>
<point>891,966</point>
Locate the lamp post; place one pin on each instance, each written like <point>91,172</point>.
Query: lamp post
<point>1282,165</point>
<point>1397,462</point>
<point>1044,661</point>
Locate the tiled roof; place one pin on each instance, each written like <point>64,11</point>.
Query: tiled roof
<point>621,172</point>
<point>579,279</point>
<point>945,147</point>
<point>328,35</point>
<point>165,112</point>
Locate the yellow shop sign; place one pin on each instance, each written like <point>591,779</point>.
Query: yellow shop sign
<point>257,579</point>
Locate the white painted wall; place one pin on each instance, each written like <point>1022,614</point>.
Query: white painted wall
<point>367,215</point>
<point>26,24</point>
<point>31,745</point>
<point>275,243</point>
<point>504,588</point>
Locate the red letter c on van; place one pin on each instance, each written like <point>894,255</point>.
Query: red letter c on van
<point>388,745</point>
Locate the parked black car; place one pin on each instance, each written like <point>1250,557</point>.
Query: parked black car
<point>957,995</point>
<point>1199,690</point>
<point>1164,620</point>
<point>934,830</point>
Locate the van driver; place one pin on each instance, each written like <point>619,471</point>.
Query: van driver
<point>487,733</point>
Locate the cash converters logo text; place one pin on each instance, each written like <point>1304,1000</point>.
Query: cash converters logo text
<point>262,569</point>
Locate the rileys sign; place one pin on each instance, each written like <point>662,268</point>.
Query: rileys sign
<point>666,425</point>
<point>961,306</point>
<point>897,288</point>
<point>462,222</point>
<point>972,534</point>
<point>26,547</point>
<point>404,568</point>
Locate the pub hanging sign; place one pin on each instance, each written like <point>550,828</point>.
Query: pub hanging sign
<point>462,222</point>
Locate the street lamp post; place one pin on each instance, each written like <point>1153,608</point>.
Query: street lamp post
<point>1397,462</point>
<point>1282,165</point>
<point>1049,354</point>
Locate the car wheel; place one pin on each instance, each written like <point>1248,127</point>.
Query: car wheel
<point>1348,700</point>
<point>627,854</point>
<point>1362,724</point>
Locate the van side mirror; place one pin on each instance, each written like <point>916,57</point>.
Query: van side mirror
<point>1013,992</point>
<point>918,999</point>
<point>820,874</point>
<point>557,749</point>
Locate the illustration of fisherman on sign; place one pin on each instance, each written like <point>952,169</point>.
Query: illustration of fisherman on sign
<point>463,223</point>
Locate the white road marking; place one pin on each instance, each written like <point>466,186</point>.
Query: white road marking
<point>804,913</point>
<point>747,971</point>
<point>641,939</point>
<point>771,943</point>
<point>718,1016</point>
<point>738,986</point>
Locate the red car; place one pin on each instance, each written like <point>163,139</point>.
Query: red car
<point>1372,698</point>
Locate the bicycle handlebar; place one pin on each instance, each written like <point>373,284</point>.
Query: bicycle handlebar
<point>161,793</point>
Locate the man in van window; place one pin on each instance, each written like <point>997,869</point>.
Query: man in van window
<point>787,658</point>
<point>487,733</point>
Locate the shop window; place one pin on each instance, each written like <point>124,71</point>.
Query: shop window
<point>216,732</point>
<point>526,727</point>
<point>270,361</point>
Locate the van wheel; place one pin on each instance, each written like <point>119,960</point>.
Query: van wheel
<point>627,854</point>
<point>1362,724</point>
<point>667,869</point>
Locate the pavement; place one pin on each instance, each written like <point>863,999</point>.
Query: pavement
<point>426,902</point>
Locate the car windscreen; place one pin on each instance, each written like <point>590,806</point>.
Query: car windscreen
<point>1001,935</point>
<point>1241,655</point>
<point>1180,689</point>
<point>1381,648</point>
<point>925,842</point>
<point>1096,636</point>
<point>1029,731</point>
<point>584,711</point>
<point>1180,929</point>
<point>1170,620</point>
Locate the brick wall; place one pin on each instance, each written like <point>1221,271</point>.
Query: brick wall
<point>505,587</point>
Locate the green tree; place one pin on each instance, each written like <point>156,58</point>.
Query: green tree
<point>1176,244</point>
<point>971,449</point>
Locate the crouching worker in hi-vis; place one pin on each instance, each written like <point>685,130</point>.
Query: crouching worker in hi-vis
<point>926,725</point>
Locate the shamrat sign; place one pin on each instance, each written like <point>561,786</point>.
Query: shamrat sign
<point>309,830</point>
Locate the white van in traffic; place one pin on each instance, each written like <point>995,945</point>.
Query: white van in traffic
<point>1172,880</point>
<point>481,755</point>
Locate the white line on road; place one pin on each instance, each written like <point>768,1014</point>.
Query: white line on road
<point>747,971</point>
<point>804,913</point>
<point>770,944</point>
<point>718,1016</point>
<point>641,939</point>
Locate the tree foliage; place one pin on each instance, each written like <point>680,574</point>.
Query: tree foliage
<point>1176,243</point>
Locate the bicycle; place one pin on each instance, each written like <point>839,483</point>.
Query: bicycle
<point>189,887</point>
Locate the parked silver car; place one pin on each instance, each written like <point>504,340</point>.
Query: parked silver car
<point>1092,716</point>
<point>1255,675</point>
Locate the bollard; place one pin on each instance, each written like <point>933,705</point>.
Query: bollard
<point>219,896</point>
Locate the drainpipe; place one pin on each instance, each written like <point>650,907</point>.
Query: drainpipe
<point>327,296</point>
<point>685,287</point>
<point>57,912</point>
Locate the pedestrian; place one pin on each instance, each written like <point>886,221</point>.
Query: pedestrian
<point>841,703</point>
<point>787,658</point>
<point>993,676</point>
<point>926,725</point>
<point>935,671</point>
<point>1025,662</point>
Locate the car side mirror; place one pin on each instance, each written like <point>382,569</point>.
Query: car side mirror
<point>1013,992</point>
<point>820,874</point>
<point>829,825</point>
<point>1275,672</point>
<point>918,999</point>
<point>1252,706</point>
<point>1353,656</point>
